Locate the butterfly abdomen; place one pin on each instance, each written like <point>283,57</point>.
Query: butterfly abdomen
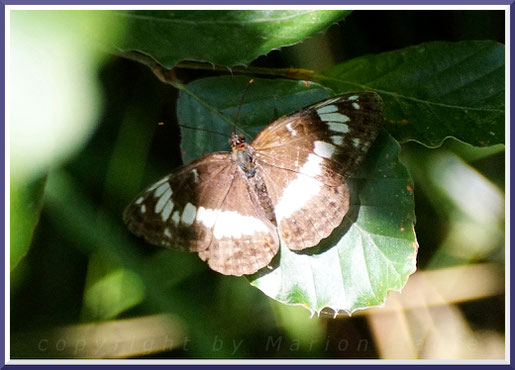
<point>243,154</point>
<point>258,186</point>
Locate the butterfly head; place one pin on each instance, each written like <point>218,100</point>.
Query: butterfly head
<point>236,140</point>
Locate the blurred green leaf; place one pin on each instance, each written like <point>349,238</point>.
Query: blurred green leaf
<point>434,90</point>
<point>470,205</point>
<point>97,232</point>
<point>54,104</point>
<point>105,233</point>
<point>110,289</point>
<point>228,38</point>
<point>26,201</point>
<point>54,59</point>
<point>298,324</point>
<point>131,147</point>
<point>374,249</point>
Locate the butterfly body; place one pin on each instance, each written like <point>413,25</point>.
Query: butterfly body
<point>244,156</point>
<point>287,186</point>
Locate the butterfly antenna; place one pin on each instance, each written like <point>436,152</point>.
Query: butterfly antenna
<point>241,103</point>
<point>203,129</point>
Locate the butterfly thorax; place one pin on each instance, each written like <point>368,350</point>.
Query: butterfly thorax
<point>243,154</point>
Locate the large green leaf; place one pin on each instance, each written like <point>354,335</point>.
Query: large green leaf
<point>371,252</point>
<point>434,90</point>
<point>233,37</point>
<point>212,104</point>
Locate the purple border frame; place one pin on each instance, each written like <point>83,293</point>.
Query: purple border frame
<point>256,367</point>
<point>2,198</point>
<point>258,2</point>
<point>223,2</point>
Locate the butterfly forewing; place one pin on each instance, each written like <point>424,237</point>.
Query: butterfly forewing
<point>340,130</point>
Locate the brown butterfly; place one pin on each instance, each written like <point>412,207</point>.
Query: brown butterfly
<point>289,184</point>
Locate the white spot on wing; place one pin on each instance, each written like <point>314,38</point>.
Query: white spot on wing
<point>176,218</point>
<point>231,224</point>
<point>327,109</point>
<point>353,97</point>
<point>167,232</point>
<point>335,117</point>
<point>324,149</point>
<point>290,129</point>
<point>312,166</point>
<point>167,210</point>
<point>143,209</point>
<point>355,142</point>
<point>139,200</point>
<point>355,105</point>
<point>304,185</point>
<point>162,201</point>
<point>188,214</point>
<point>206,216</point>
<point>337,139</point>
<point>195,174</point>
<point>338,127</point>
<point>161,189</point>
<point>158,183</point>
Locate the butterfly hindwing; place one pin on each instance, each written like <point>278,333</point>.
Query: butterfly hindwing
<point>306,209</point>
<point>244,240</point>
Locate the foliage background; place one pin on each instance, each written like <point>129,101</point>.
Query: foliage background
<point>83,272</point>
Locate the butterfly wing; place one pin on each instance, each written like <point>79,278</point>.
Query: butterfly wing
<point>306,158</point>
<point>306,209</point>
<point>205,207</point>
<point>244,241</point>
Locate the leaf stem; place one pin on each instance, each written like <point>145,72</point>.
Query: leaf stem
<point>290,73</point>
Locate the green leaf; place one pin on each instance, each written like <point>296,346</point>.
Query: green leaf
<point>25,208</point>
<point>110,289</point>
<point>233,37</point>
<point>374,249</point>
<point>434,90</point>
<point>371,252</point>
<point>211,107</point>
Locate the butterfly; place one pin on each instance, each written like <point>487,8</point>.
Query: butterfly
<point>287,186</point>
